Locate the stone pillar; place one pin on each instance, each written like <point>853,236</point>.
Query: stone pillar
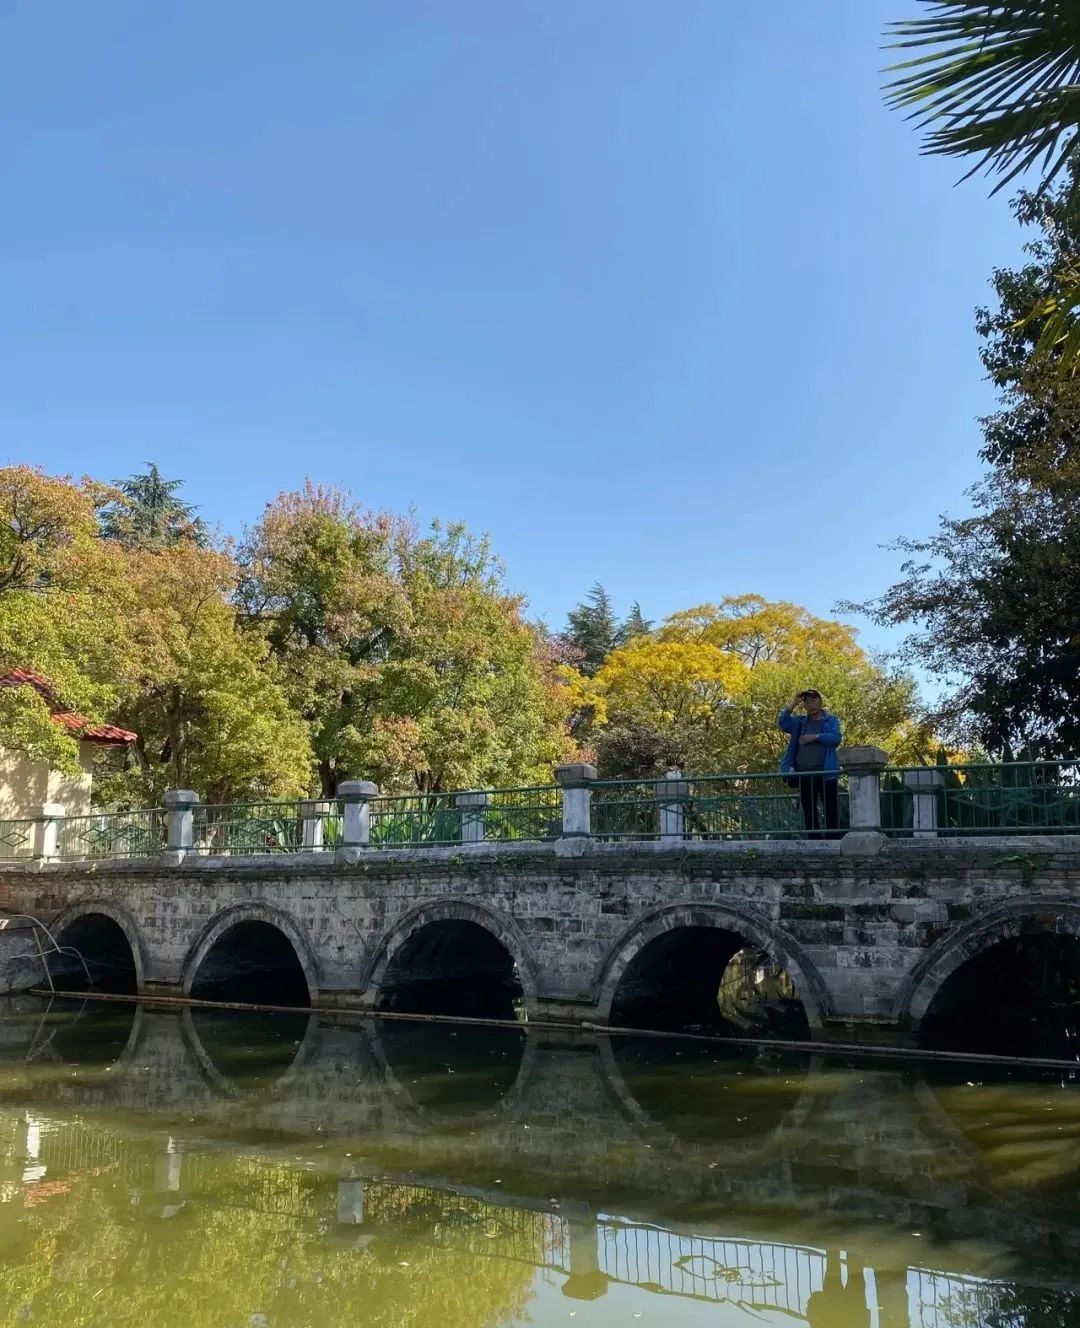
<point>46,829</point>
<point>576,811</point>
<point>672,793</point>
<point>180,807</point>
<point>313,825</point>
<point>472,807</point>
<point>350,1202</point>
<point>168,1173</point>
<point>585,1280</point>
<point>924,785</point>
<point>356,795</point>
<point>168,1166</point>
<point>863,766</point>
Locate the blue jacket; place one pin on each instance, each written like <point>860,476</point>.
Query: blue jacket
<point>829,739</point>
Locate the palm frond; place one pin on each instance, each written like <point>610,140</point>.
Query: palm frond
<point>997,81</point>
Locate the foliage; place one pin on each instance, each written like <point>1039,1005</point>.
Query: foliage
<point>1036,429</point>
<point>139,635</point>
<point>703,692</point>
<point>993,597</point>
<point>63,601</point>
<point>207,702</point>
<point>593,629</point>
<point>146,513</point>
<point>1002,82</point>
<point>407,659</point>
<point>997,81</point>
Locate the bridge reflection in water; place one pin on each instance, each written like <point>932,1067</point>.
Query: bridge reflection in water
<point>183,1119</point>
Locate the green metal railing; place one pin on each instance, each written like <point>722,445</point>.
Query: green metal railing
<point>1011,798</point>
<point>424,818</point>
<point>625,809</point>
<point>110,835</point>
<point>16,839</point>
<point>753,807</point>
<point>228,829</point>
<point>524,813</point>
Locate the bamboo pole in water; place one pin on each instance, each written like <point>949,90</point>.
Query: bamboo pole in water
<point>871,1050</point>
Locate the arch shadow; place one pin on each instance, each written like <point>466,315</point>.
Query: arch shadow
<point>1003,922</point>
<point>252,911</point>
<point>758,931</point>
<point>455,909</point>
<point>115,913</point>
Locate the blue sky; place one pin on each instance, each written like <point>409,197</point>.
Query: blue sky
<point>656,293</point>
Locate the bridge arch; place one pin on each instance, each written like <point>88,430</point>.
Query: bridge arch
<point>498,926</point>
<point>77,922</point>
<point>750,927</point>
<point>251,912</point>
<point>1006,921</point>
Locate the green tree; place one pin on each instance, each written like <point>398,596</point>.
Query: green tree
<point>634,624</point>
<point>1001,83</point>
<point>407,659</point>
<point>592,629</point>
<point>65,607</point>
<point>994,598</point>
<point>206,698</point>
<point>704,690</point>
<point>147,513</point>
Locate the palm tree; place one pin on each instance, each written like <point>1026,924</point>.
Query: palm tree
<point>1000,80</point>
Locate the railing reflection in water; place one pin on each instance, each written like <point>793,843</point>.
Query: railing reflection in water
<point>589,1250</point>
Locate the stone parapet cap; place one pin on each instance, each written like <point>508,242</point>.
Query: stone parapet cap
<point>577,775</point>
<point>924,781</point>
<point>357,790</point>
<point>177,799</point>
<point>474,799</point>
<point>863,760</point>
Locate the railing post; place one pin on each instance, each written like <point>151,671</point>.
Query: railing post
<point>924,786</point>
<point>672,792</point>
<point>472,807</point>
<point>313,824</point>
<point>863,766</point>
<point>180,807</point>
<point>350,1202</point>
<point>576,798</point>
<point>46,831</point>
<point>356,795</point>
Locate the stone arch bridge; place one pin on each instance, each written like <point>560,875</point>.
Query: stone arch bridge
<point>867,928</point>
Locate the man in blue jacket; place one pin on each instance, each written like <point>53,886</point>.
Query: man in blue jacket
<point>811,759</point>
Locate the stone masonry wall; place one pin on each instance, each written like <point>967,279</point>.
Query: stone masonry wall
<point>867,935</point>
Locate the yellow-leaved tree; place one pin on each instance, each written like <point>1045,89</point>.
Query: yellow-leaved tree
<point>703,691</point>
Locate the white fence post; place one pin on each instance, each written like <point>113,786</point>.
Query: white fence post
<point>356,795</point>
<point>577,798</point>
<point>46,830</point>
<point>863,766</point>
<point>925,786</point>
<point>672,792</point>
<point>313,815</point>
<point>180,807</point>
<point>472,807</point>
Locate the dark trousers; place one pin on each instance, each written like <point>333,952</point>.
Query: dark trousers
<point>819,793</point>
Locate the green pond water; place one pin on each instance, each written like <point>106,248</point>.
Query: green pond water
<point>159,1168</point>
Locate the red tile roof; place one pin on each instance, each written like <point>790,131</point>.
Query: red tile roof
<point>74,723</point>
<point>28,678</point>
